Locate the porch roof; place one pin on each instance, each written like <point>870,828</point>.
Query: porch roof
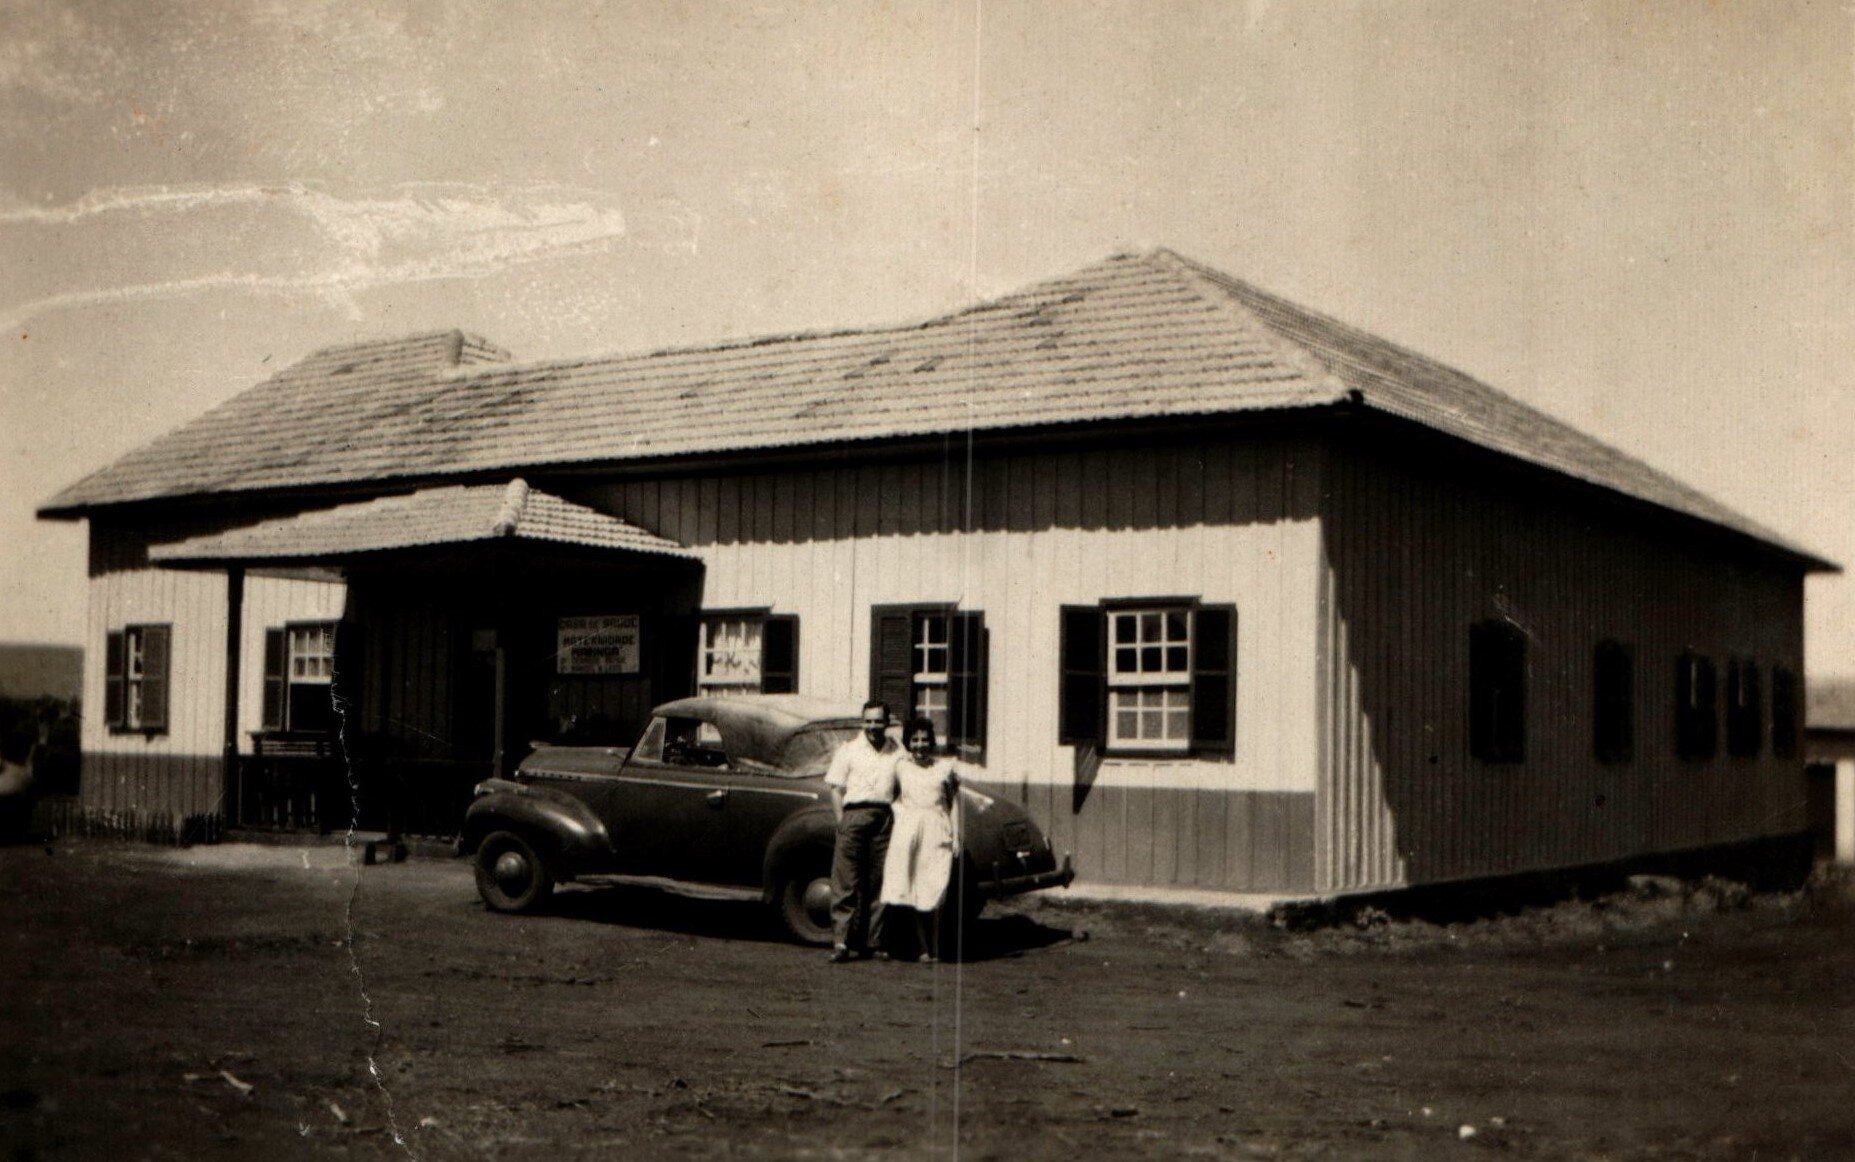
<point>434,516</point>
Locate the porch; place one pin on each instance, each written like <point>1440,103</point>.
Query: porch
<point>476,619</point>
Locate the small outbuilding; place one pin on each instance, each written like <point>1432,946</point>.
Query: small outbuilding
<point>1231,596</point>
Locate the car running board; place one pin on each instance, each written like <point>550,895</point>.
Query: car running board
<point>678,887</point>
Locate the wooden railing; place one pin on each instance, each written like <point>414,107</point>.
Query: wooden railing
<point>304,782</point>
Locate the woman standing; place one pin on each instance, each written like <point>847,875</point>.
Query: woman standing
<point>922,841</point>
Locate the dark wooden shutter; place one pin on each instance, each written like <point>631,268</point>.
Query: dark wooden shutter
<point>114,703</point>
<point>779,654</point>
<point>892,659</point>
<point>1497,692</point>
<point>1783,712</point>
<point>967,649</point>
<point>1084,691</point>
<point>346,678</point>
<point>1613,698</point>
<point>1214,654</point>
<point>276,657</point>
<point>671,658</point>
<point>1697,731</point>
<point>1745,708</point>
<point>154,677</point>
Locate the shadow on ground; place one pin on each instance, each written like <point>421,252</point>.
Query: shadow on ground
<point>990,937</point>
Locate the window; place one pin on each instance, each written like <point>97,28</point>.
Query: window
<point>1696,719</point>
<point>752,652</point>
<point>1149,678</point>
<point>299,676</point>
<point>1745,708</point>
<point>1613,703</point>
<point>1784,712</point>
<point>1497,692</point>
<point>135,667</point>
<point>931,661</point>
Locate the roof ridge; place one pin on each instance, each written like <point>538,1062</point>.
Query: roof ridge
<point>514,504</point>
<point>456,340</point>
<point>1196,276</point>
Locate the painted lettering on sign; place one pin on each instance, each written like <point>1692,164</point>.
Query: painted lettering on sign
<point>598,645</point>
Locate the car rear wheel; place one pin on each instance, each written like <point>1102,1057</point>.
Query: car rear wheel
<point>803,897</point>
<point>511,875</point>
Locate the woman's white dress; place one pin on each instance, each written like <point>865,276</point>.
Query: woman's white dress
<point>920,856</point>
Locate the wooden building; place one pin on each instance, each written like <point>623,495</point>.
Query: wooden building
<point>1232,596</point>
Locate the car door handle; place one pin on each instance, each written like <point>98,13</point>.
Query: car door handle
<point>716,798</point>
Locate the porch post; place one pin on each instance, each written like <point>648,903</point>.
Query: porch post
<point>1845,811</point>
<point>501,720</point>
<point>234,632</point>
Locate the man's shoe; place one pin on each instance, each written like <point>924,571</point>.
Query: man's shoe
<point>879,954</point>
<point>840,954</point>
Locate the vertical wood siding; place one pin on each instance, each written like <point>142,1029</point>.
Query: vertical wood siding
<point>271,603</point>
<point>1223,520</point>
<point>1415,555</point>
<point>154,781</point>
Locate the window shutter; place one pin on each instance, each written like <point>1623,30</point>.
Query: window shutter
<point>966,684</point>
<point>1497,692</point>
<point>1613,708</point>
<point>345,678</point>
<point>1696,721</point>
<point>154,677</point>
<point>1084,692</point>
<point>1214,652</point>
<point>892,660</point>
<point>1783,712</point>
<point>275,657</point>
<point>113,700</point>
<point>779,654</point>
<point>670,654</point>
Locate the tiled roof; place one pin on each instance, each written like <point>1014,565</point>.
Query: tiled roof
<point>1133,337</point>
<point>449,515</point>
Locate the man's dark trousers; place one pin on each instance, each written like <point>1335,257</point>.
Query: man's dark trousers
<point>856,876</point>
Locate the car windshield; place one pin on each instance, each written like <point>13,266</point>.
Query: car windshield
<point>809,751</point>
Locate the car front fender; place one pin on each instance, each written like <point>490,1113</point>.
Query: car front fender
<point>575,838</point>
<point>811,827</point>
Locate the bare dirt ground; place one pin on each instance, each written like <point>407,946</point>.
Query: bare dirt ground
<point>247,1001</point>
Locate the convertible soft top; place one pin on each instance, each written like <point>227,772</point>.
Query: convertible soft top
<point>762,727</point>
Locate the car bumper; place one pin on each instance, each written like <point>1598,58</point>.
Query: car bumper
<point>999,884</point>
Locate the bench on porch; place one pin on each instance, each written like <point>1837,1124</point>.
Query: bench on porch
<point>291,781</point>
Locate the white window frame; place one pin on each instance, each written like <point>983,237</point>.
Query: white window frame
<point>311,643</point>
<point>744,653</point>
<point>134,676</point>
<point>932,682</point>
<point>1157,697</point>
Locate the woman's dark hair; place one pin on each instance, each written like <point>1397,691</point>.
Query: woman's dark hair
<point>921,722</point>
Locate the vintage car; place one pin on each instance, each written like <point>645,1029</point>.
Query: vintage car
<point>721,796</point>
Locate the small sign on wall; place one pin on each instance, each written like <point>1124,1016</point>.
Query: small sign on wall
<point>598,645</point>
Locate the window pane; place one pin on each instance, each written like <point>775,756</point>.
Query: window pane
<point>1151,660</point>
<point>1175,626</point>
<point>1149,626</point>
<point>1175,659</point>
<point>1127,660</point>
<point>1124,628</point>
<point>731,654</point>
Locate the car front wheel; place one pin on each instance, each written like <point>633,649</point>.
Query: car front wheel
<point>803,897</point>
<point>511,875</point>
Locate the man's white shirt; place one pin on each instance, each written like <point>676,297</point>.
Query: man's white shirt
<point>863,773</point>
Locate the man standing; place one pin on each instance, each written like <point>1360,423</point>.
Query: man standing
<point>862,782</point>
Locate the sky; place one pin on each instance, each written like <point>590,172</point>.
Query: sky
<point>1635,215</point>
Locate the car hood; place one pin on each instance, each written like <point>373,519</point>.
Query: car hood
<point>576,760</point>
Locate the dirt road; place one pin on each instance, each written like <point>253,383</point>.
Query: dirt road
<point>245,1001</point>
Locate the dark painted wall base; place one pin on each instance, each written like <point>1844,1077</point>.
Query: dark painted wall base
<point>1776,863</point>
